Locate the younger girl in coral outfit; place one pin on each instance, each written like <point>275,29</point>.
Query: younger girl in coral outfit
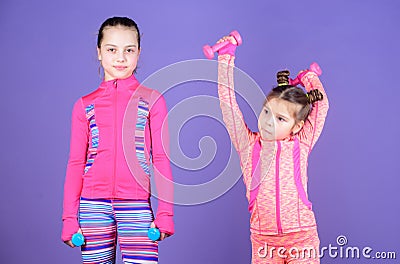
<point>274,161</point>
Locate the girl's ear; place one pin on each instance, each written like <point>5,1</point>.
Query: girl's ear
<point>98,54</point>
<point>297,127</point>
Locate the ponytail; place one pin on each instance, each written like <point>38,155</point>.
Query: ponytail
<point>314,96</point>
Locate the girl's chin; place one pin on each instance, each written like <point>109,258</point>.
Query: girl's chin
<point>267,136</point>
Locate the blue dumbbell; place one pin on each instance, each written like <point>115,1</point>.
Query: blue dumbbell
<point>154,234</point>
<point>78,239</point>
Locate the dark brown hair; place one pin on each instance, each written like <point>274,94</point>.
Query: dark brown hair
<point>118,21</point>
<point>294,95</point>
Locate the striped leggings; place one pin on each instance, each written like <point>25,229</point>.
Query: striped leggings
<point>104,221</point>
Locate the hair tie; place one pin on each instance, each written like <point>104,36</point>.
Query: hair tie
<point>283,83</point>
<point>308,98</point>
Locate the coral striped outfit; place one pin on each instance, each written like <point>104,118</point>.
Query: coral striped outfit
<point>278,197</point>
<point>119,133</point>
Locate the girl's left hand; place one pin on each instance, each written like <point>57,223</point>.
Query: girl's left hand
<point>162,235</point>
<point>69,242</point>
<point>228,38</point>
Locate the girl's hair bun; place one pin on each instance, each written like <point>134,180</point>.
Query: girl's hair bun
<point>282,77</point>
<point>314,96</point>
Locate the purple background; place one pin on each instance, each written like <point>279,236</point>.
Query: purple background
<point>48,60</point>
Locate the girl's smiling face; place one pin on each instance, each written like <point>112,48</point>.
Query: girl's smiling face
<point>277,120</point>
<point>119,52</point>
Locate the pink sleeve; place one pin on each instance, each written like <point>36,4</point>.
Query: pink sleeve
<point>75,168</point>
<point>161,164</point>
<point>238,131</point>
<point>315,122</point>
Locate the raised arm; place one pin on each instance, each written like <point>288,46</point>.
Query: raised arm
<point>315,122</point>
<point>232,116</point>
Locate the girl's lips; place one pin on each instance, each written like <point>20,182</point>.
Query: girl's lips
<point>266,131</point>
<point>120,68</point>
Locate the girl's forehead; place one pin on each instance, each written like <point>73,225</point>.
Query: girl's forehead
<point>281,106</point>
<point>114,32</point>
<point>119,27</point>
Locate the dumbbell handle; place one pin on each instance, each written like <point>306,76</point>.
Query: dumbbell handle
<point>219,46</point>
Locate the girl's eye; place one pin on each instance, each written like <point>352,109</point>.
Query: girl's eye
<point>281,119</point>
<point>266,111</point>
<point>130,50</point>
<point>111,49</point>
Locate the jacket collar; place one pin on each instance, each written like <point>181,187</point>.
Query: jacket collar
<point>130,82</point>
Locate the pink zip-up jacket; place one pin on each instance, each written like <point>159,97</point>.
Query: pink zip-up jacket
<point>278,196</point>
<point>111,155</point>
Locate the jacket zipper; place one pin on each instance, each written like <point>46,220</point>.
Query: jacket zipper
<point>277,186</point>
<point>115,137</point>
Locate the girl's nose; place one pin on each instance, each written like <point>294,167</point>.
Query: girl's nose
<point>270,121</point>
<point>120,57</point>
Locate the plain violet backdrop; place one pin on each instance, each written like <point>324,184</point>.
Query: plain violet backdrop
<point>48,60</point>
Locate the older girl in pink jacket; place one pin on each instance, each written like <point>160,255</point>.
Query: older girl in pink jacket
<point>119,132</point>
<point>274,161</point>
